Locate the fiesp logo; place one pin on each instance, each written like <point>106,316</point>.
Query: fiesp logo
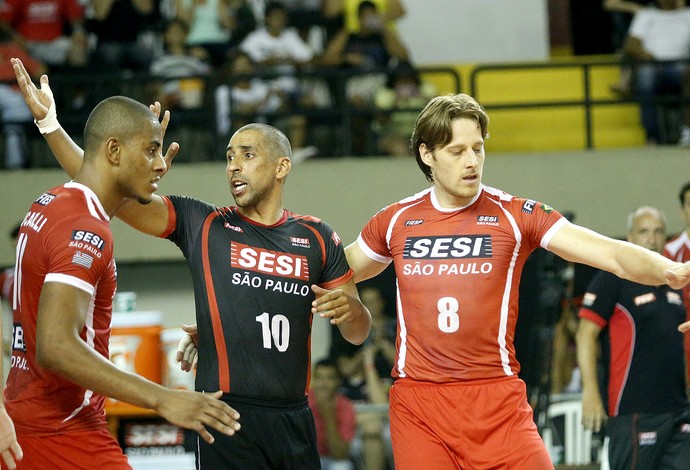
<point>268,262</point>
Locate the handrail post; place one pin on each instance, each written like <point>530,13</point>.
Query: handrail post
<point>586,69</point>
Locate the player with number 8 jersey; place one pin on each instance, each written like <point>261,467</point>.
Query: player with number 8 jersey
<point>452,327</point>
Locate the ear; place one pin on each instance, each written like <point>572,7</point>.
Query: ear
<point>113,150</point>
<point>283,167</point>
<point>426,155</point>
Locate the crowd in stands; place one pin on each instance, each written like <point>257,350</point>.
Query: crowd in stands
<point>334,74</point>
<point>247,60</point>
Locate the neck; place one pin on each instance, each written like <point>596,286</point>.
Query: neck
<point>102,186</point>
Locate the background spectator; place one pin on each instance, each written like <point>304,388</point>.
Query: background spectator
<point>404,95</point>
<point>51,30</point>
<point>334,416</point>
<point>125,32</point>
<point>660,34</point>
<point>15,114</point>
<point>210,23</point>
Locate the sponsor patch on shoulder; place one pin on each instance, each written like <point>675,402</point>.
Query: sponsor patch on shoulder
<point>546,208</point>
<point>336,238</point>
<point>82,259</point>
<point>45,199</point>
<point>528,206</point>
<point>301,242</point>
<point>588,299</point>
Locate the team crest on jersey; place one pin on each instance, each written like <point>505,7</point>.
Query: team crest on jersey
<point>528,206</point>
<point>410,223</point>
<point>300,241</point>
<point>674,298</point>
<point>45,199</point>
<point>487,220</point>
<point>546,208</point>
<point>647,438</point>
<point>644,298</point>
<point>233,227</point>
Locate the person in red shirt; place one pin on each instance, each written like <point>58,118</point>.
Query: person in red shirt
<point>39,24</point>
<point>334,416</point>
<point>14,111</point>
<point>65,280</point>
<point>458,249</point>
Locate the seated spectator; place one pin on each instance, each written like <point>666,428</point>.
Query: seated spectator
<point>366,379</point>
<point>621,13</point>
<point>364,55</point>
<point>39,26</point>
<point>210,23</point>
<point>242,97</point>
<point>186,89</point>
<point>242,21</point>
<point>660,34</point>
<point>16,116</point>
<point>334,416</point>
<point>344,12</point>
<point>277,49</point>
<point>125,38</point>
<point>404,95</point>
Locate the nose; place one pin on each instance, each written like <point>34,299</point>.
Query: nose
<point>159,164</point>
<point>472,159</point>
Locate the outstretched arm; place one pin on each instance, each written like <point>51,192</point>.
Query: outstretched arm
<point>625,260</point>
<point>151,218</point>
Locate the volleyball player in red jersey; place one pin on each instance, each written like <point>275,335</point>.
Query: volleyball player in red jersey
<point>65,279</point>
<point>458,249</point>
<point>256,269</point>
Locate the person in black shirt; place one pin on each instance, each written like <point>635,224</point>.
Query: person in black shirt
<point>642,350</point>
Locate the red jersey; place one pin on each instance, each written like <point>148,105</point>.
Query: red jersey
<point>458,272</point>
<point>65,237</point>
<point>40,20</point>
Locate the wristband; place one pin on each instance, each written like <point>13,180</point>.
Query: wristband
<point>49,123</point>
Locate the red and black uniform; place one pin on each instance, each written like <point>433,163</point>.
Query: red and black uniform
<point>678,249</point>
<point>66,238</point>
<point>253,310</point>
<point>644,365</point>
<point>458,272</point>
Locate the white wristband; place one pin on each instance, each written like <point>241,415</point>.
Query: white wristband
<point>49,123</point>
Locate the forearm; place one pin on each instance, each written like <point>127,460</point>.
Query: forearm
<point>376,390</point>
<point>641,265</point>
<point>68,154</point>
<point>587,362</point>
<point>82,365</point>
<point>356,328</point>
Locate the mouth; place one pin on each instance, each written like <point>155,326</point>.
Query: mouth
<point>237,186</point>
<point>154,183</point>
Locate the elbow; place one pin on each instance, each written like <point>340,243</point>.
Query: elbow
<point>49,357</point>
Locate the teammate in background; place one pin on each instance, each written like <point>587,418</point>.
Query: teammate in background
<point>257,269</point>
<point>65,279</point>
<point>458,249</point>
<point>678,249</point>
<point>643,359</point>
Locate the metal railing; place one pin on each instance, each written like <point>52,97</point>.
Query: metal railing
<point>587,101</point>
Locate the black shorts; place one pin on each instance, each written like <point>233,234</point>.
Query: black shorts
<point>649,441</point>
<point>273,436</point>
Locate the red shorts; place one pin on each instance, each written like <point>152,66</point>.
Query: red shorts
<point>469,426</point>
<point>81,450</point>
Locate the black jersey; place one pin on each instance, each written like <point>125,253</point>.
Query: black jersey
<point>252,294</point>
<point>642,348</point>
